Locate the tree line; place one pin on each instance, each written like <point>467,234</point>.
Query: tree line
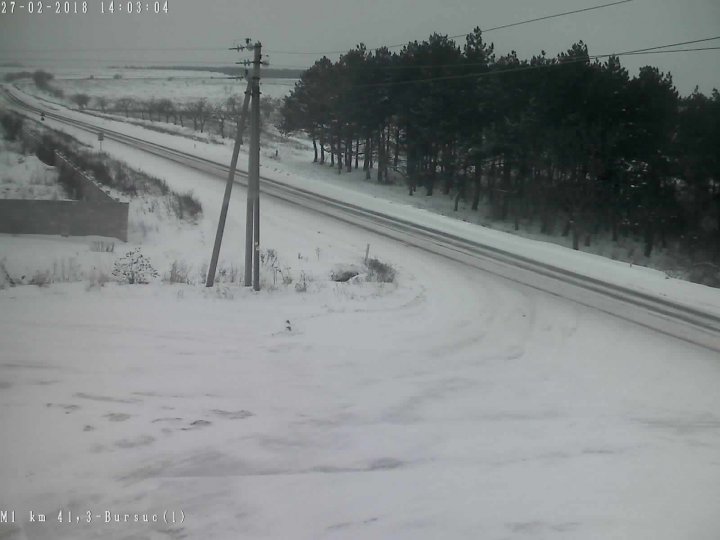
<point>568,142</point>
<point>222,115</point>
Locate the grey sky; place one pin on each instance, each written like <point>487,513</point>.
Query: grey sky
<point>328,25</point>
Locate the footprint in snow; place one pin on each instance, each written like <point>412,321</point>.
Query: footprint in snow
<point>142,440</point>
<point>197,424</point>
<point>117,417</point>
<point>167,419</point>
<point>232,415</point>
<point>68,408</point>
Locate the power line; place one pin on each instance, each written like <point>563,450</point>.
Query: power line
<point>518,23</point>
<point>679,43</point>
<point>675,51</point>
<point>548,17</point>
<point>568,60</point>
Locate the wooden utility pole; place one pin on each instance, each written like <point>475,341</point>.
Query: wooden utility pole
<point>252,222</point>
<point>228,190</point>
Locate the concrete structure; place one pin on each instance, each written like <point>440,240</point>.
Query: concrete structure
<point>95,214</point>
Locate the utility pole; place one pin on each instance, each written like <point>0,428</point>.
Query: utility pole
<point>228,189</point>
<point>252,222</point>
<point>210,280</point>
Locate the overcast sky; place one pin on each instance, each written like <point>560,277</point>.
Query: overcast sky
<point>193,26</point>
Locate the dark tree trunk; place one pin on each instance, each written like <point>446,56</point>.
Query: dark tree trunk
<point>348,154</point>
<point>366,157</point>
<point>397,147</point>
<point>568,228</point>
<point>649,237</point>
<point>663,235</point>
<point>381,156</point>
<point>614,225</point>
<point>430,178</point>
<point>315,149</point>
<point>477,177</point>
<point>506,187</point>
<point>576,236</point>
<point>357,152</point>
<point>339,155</point>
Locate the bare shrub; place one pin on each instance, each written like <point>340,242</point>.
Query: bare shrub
<point>66,271</point>
<point>102,246</point>
<point>270,263</point>
<point>302,283</point>
<point>5,278</point>
<point>12,125</point>
<point>41,278</point>
<point>179,273</point>
<point>227,274</point>
<point>97,279</point>
<point>380,271</point>
<point>184,205</point>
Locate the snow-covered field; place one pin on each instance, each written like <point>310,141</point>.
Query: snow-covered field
<point>25,176</point>
<point>176,85</point>
<point>449,404</point>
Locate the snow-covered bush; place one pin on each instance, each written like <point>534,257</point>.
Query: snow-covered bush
<point>380,271</point>
<point>342,273</point>
<point>134,268</point>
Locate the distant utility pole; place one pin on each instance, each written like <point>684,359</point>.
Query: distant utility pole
<point>252,224</point>
<point>228,186</point>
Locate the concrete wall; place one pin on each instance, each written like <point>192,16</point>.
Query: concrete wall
<point>88,189</point>
<point>71,218</point>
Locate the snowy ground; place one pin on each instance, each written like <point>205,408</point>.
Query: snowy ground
<point>25,176</point>
<point>176,85</point>
<point>450,404</point>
